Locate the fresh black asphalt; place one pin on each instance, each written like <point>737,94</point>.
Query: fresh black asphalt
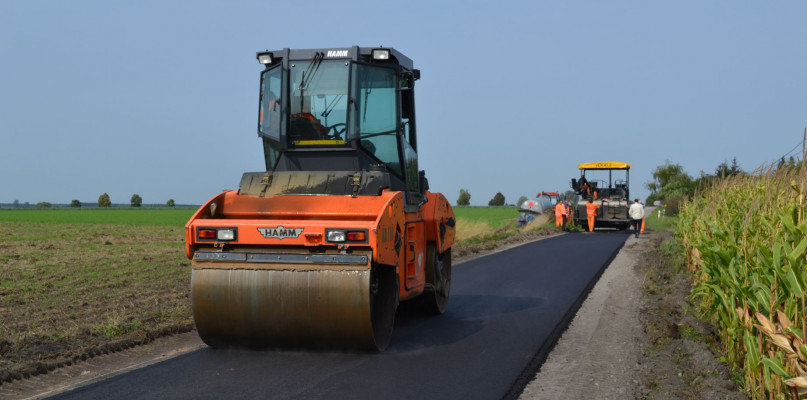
<point>505,313</point>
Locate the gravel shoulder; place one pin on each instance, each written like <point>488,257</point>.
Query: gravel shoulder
<point>597,356</point>
<point>634,337</point>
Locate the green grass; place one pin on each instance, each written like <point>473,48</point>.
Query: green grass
<point>495,217</point>
<point>129,216</point>
<point>665,223</point>
<point>485,224</point>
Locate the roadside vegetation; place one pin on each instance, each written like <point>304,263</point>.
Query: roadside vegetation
<point>476,225</point>
<point>745,238</point>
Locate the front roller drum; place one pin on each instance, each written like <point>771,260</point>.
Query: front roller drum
<point>283,306</point>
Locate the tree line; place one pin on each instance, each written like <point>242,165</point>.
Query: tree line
<point>671,185</point>
<point>103,201</point>
<point>465,199</point>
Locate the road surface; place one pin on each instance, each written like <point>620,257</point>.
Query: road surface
<point>505,313</point>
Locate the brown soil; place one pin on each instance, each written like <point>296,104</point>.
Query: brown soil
<point>72,292</point>
<point>633,338</point>
<point>679,351</point>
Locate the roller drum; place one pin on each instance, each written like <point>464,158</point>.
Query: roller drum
<point>288,306</point>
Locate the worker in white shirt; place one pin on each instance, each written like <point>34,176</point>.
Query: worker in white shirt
<point>636,212</point>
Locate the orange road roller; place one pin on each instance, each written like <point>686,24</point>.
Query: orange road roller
<point>318,250</point>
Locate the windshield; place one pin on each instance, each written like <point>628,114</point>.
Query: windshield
<point>609,184</point>
<point>318,102</point>
<point>327,103</point>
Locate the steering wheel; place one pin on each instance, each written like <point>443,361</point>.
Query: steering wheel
<point>337,129</point>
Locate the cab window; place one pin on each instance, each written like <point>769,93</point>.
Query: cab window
<point>269,115</point>
<point>375,115</point>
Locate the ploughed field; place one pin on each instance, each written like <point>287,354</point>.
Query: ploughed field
<point>75,283</point>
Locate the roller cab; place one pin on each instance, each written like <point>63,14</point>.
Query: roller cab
<point>319,249</point>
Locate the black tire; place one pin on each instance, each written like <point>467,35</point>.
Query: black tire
<point>383,304</point>
<point>438,280</point>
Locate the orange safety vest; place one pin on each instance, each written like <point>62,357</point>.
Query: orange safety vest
<point>560,209</point>
<point>591,208</point>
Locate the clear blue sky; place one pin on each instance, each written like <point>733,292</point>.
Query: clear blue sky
<point>159,98</point>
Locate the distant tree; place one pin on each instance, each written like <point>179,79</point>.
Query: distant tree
<point>666,174</point>
<point>781,163</point>
<point>521,201</point>
<point>723,170</point>
<point>497,200</point>
<point>791,163</point>
<point>75,204</point>
<point>44,204</point>
<point>464,199</point>
<point>104,201</point>
<point>170,203</point>
<point>670,183</point>
<point>136,200</point>
<point>16,204</point>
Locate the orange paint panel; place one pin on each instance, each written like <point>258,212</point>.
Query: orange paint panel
<point>438,210</point>
<point>290,220</point>
<point>395,237</point>
<point>305,207</point>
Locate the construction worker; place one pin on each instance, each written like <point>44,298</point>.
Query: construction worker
<point>566,212</point>
<point>315,122</point>
<point>559,211</point>
<point>591,213</point>
<point>585,188</point>
<point>636,212</point>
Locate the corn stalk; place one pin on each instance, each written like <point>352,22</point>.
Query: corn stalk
<point>745,238</point>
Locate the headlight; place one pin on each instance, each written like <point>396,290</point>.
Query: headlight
<point>225,234</point>
<point>346,236</point>
<point>265,58</point>
<point>336,236</point>
<point>380,54</point>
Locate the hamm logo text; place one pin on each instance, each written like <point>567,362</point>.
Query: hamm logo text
<point>280,232</point>
<point>336,53</point>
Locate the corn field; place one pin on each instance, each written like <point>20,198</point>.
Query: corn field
<point>745,239</point>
